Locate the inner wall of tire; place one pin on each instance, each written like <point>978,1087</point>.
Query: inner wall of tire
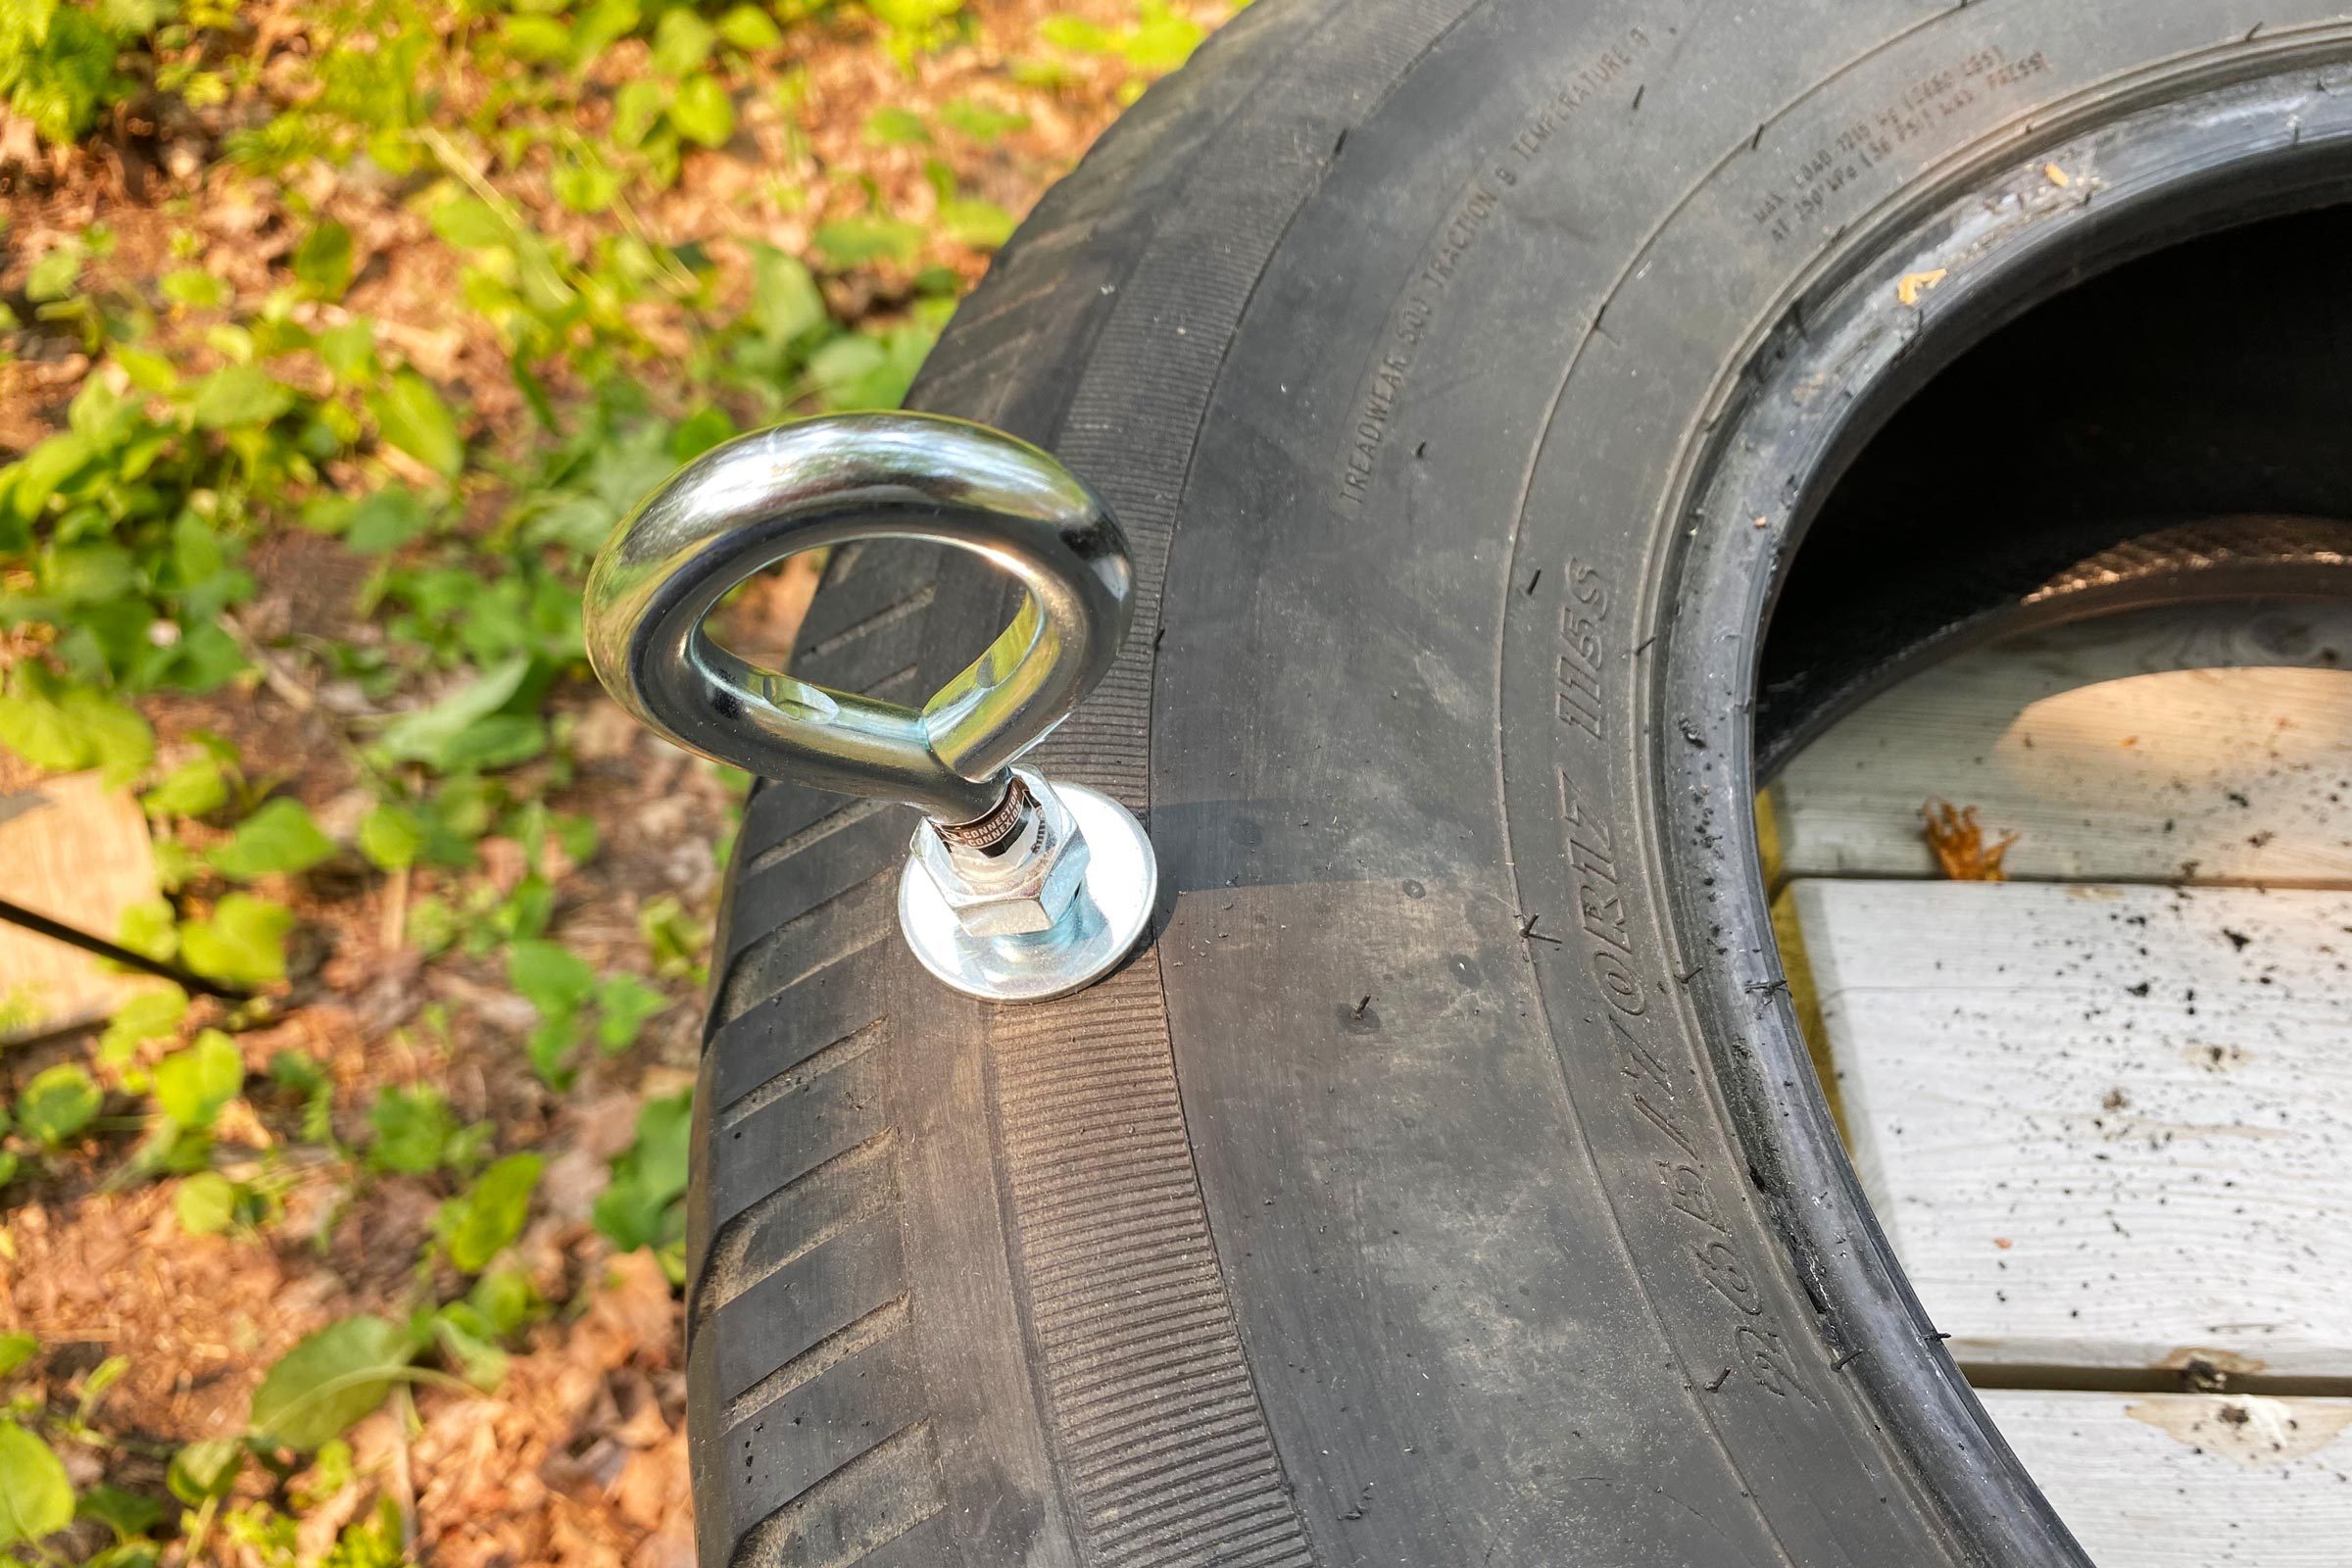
<point>2205,159</point>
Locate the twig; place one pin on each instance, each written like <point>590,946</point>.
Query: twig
<point>396,910</point>
<point>296,695</point>
<point>74,937</point>
<point>403,1488</point>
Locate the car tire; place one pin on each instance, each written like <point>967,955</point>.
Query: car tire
<point>1444,1183</point>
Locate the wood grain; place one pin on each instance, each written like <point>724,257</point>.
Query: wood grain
<point>77,852</point>
<point>2107,748</point>
<point>2105,1126</point>
<point>2189,1480</point>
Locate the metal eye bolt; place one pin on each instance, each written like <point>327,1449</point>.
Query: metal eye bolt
<point>1016,888</point>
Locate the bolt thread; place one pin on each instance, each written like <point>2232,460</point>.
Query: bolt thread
<point>993,831</point>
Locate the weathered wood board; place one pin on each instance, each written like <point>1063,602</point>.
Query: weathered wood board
<point>2108,748</point>
<point>77,852</point>
<point>2190,1481</point>
<point>2104,1126</point>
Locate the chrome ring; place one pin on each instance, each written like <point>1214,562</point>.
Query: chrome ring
<point>748,504</point>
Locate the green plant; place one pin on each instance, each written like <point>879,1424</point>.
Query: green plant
<point>329,1379</point>
<point>911,26</point>
<point>36,1498</point>
<point>149,1015</point>
<point>280,837</point>
<point>565,993</point>
<point>1155,43</point>
<point>471,1331</point>
<point>192,1087</point>
<point>477,1224</point>
<point>60,63</point>
<point>414,1133</point>
<point>679,943</point>
<point>60,1101</point>
<point>645,1203</point>
<point>308,1080</point>
<point>209,1203</point>
<point>243,942</point>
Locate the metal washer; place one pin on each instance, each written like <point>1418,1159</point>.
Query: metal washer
<point>1102,923</point>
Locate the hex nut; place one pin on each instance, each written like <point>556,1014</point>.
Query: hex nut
<point>1021,892</point>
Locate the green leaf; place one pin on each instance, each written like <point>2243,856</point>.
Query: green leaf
<point>323,261</point>
<point>637,109</point>
<point>307,1078</point>
<point>63,728</point>
<point>238,395</point>
<point>968,221</point>
<point>437,736</point>
<point>702,109</point>
<point>195,289</point>
<point>59,1103</point>
<point>491,1213</point>
<point>391,836</point>
<point>16,1349</point>
<point>197,787</point>
<point>192,1085</point>
<point>858,371</point>
<point>549,976</point>
<point>623,1002</point>
<point>469,1349</point>
<point>349,350</point>
<point>912,17</point>
<point>677,941</point>
<point>506,1300</point>
<point>983,123</point>
<point>536,38</point>
<point>387,520</point>
<point>54,275</point>
<point>203,1469</point>
<point>850,241</point>
<point>682,42</point>
<point>638,1209</point>
<point>206,1203</point>
<point>36,1499</point>
<point>90,573</point>
<point>700,431</point>
<point>1162,40</point>
<point>150,926</point>
<point>328,1381</point>
<point>244,943</point>
<point>600,24</point>
<point>149,1015</point>
<point>586,186</point>
<point>410,416</point>
<point>786,302</point>
<point>890,126</point>
<point>549,1048</point>
<point>414,1130</point>
<point>128,1514</point>
<point>472,225</point>
<point>750,28</point>
<point>149,372</point>
<point>279,837</point>
<point>1077,34</point>
<point>665,1136</point>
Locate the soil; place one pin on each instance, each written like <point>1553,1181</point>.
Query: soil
<point>578,1457</point>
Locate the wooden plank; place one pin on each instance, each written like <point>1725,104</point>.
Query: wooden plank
<point>2104,1126</point>
<point>77,852</point>
<point>2108,748</point>
<point>2187,1480</point>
